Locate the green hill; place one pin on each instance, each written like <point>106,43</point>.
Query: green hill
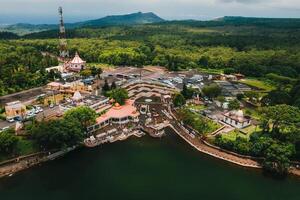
<point>114,20</point>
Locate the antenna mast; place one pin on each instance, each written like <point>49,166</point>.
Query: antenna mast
<point>63,50</point>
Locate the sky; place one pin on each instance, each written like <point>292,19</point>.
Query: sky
<point>45,11</point>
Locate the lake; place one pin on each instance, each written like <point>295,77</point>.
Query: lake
<point>144,168</point>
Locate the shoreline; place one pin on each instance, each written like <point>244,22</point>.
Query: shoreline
<point>25,162</point>
<point>198,144</point>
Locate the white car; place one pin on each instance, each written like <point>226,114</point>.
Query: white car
<point>11,120</point>
<point>30,114</point>
<point>38,110</point>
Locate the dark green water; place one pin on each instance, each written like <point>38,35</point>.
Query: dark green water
<point>145,169</point>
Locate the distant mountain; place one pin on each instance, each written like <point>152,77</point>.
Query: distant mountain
<point>139,18</point>
<point>8,35</point>
<point>241,21</point>
<point>130,19</point>
<point>114,20</point>
<point>260,21</point>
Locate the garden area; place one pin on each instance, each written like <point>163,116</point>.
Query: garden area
<point>259,84</point>
<point>201,124</point>
<point>196,108</point>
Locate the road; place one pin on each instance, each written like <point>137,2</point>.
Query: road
<point>23,96</point>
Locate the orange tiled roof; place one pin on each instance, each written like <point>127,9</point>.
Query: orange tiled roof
<point>119,112</point>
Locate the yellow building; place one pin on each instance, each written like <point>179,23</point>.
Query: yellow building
<point>70,87</point>
<point>15,109</point>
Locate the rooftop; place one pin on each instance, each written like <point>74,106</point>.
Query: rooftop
<point>77,59</point>
<point>119,112</point>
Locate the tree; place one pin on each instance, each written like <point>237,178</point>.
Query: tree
<point>203,61</point>
<point>280,119</point>
<point>105,88</point>
<point>212,90</point>
<point>85,73</point>
<point>234,105</point>
<point>119,95</point>
<point>96,71</point>
<point>8,142</point>
<point>113,85</point>
<point>221,99</point>
<point>57,133</point>
<point>240,96</point>
<point>229,70</point>
<point>178,100</point>
<point>276,97</point>
<point>187,92</point>
<point>252,95</point>
<point>277,158</point>
<point>83,115</point>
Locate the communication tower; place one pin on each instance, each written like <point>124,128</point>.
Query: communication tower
<point>63,50</point>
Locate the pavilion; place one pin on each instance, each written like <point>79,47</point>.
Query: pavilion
<point>76,64</point>
<point>118,114</point>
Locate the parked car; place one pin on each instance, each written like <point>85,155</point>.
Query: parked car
<point>38,110</point>
<point>30,115</point>
<point>51,105</point>
<point>18,119</point>
<point>10,120</point>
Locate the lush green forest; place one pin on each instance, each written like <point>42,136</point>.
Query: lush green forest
<point>261,48</point>
<point>22,67</point>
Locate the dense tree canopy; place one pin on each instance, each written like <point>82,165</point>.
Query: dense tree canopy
<point>8,142</point>
<point>83,115</point>
<point>269,53</point>
<point>234,105</point>
<point>22,67</point>
<point>57,133</point>
<point>211,91</point>
<point>119,95</point>
<point>178,100</point>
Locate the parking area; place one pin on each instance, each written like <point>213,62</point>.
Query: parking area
<point>39,114</point>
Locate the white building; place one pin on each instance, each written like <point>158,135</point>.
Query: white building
<point>75,65</point>
<point>236,119</point>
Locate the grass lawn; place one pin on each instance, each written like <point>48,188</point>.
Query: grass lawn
<point>235,134</point>
<point>213,126</point>
<point>251,129</point>
<point>262,85</point>
<point>200,123</point>
<point>196,107</point>
<point>246,133</point>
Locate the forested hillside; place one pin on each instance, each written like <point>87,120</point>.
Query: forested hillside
<point>253,51</point>
<point>257,48</point>
<point>22,67</point>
